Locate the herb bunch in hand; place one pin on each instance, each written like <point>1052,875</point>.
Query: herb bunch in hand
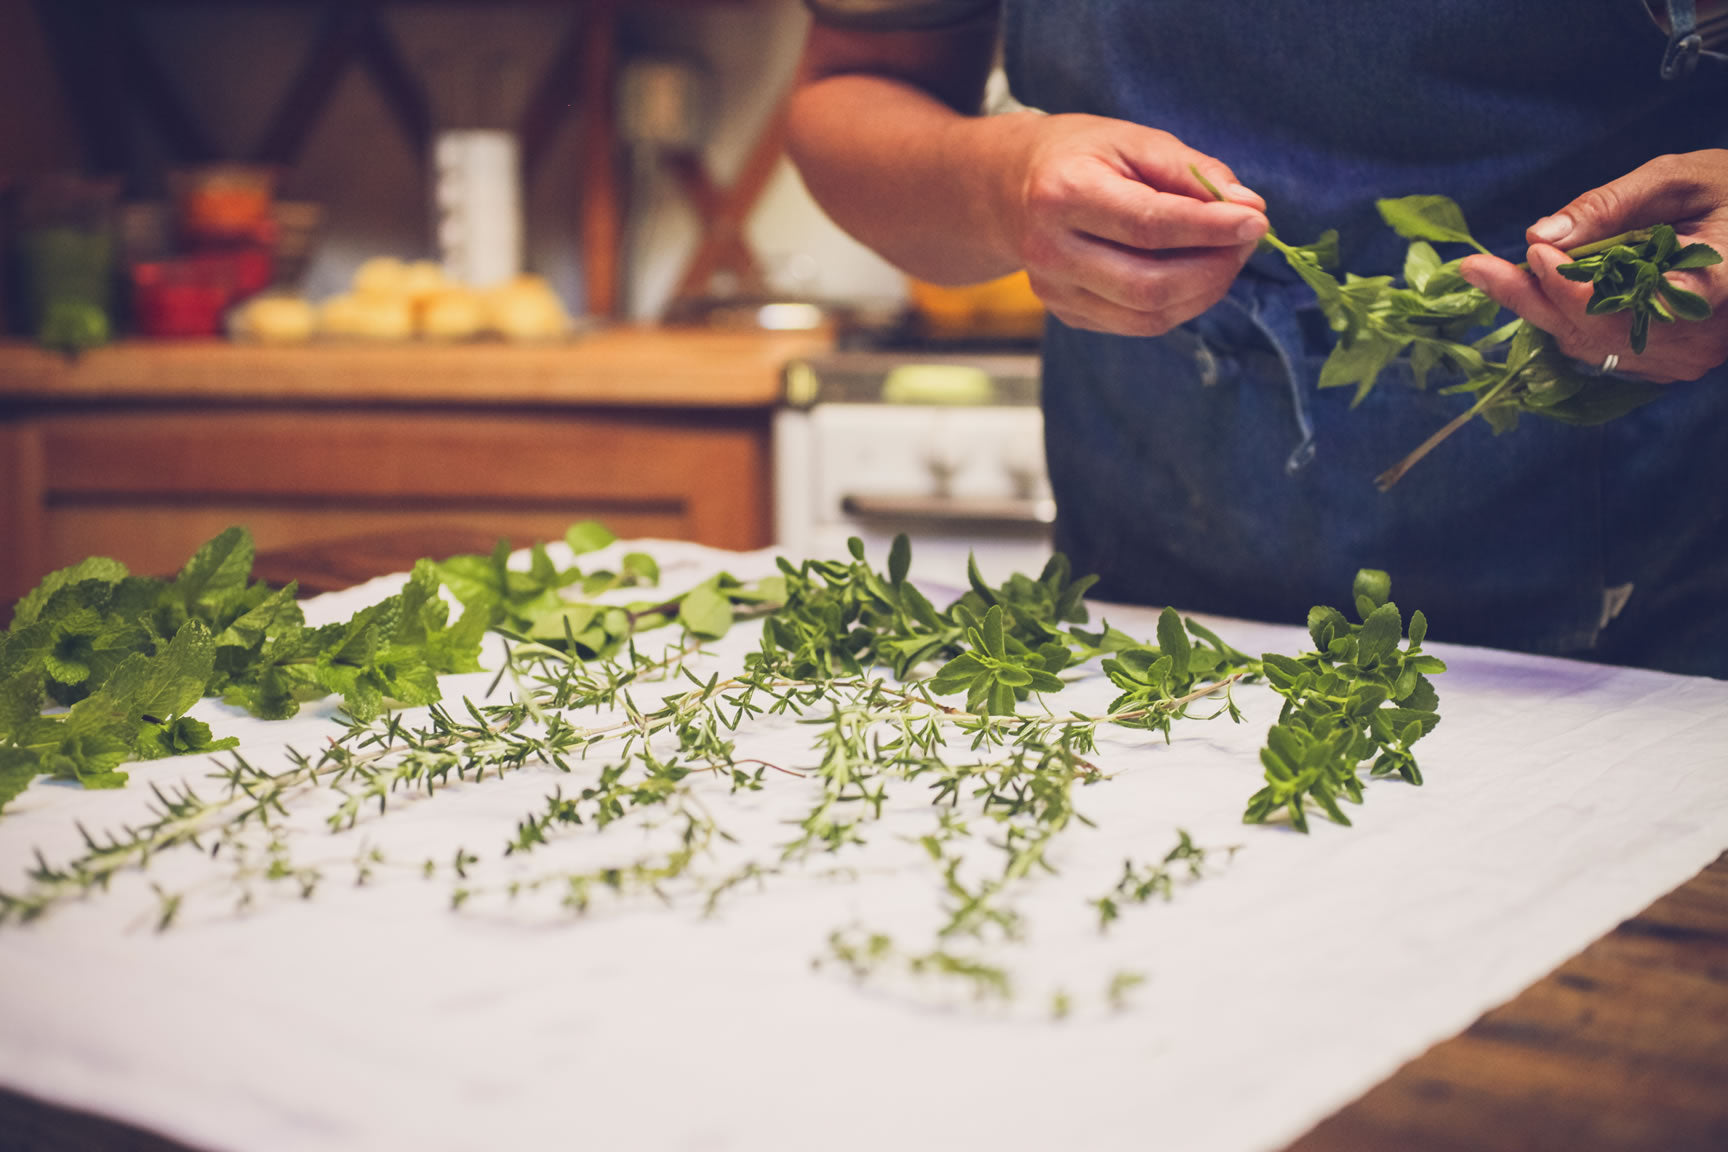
<point>1545,361</point>
<point>1669,189</point>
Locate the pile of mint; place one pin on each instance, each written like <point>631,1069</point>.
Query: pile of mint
<point>99,667</point>
<point>545,604</point>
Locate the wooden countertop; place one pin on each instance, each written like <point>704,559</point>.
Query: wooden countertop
<point>610,367</point>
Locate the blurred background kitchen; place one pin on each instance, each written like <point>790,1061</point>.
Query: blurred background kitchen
<point>383,279</point>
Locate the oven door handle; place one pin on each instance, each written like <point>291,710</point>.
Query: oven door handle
<point>1000,512</point>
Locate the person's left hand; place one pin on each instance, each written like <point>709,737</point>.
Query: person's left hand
<point>1688,191</point>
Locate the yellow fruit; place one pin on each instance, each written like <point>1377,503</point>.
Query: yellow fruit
<point>526,308</point>
<point>380,276</point>
<point>423,279</point>
<point>367,317</point>
<point>277,320</point>
<point>452,314</point>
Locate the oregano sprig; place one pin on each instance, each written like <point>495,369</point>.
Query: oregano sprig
<point>1630,274</point>
<point>1357,698</point>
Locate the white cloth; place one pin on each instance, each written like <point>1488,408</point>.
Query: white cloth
<point>1561,798</point>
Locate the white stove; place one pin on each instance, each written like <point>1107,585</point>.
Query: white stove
<point>947,448</point>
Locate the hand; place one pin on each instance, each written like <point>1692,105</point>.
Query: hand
<point>1691,193</point>
<point>1114,231</point>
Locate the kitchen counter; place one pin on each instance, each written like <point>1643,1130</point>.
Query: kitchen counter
<point>143,450</point>
<point>689,368</point>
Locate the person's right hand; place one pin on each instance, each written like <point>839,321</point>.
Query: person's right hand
<point>1115,232</point>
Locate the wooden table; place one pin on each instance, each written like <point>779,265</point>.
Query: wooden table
<point>1622,1048</point>
<point>142,451</point>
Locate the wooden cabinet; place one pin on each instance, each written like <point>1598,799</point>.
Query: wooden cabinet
<point>143,451</point>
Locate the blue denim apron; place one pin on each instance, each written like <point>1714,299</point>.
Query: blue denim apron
<point>1204,469</point>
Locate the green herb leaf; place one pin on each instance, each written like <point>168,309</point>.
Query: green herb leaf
<point>1433,218</point>
<point>98,569</point>
<point>588,536</point>
<point>706,612</point>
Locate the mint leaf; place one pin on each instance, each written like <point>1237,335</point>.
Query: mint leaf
<point>276,615</point>
<point>87,744</point>
<point>705,611</point>
<point>183,737</point>
<point>18,766</point>
<point>215,575</point>
<point>1433,218</point>
<point>1173,642</point>
<point>1379,636</point>
<point>97,569</point>
<point>1370,589</point>
<point>588,536</point>
<point>163,687</point>
<point>475,581</point>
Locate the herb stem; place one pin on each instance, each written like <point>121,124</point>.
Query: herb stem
<point>1635,236</point>
<point>1392,475</point>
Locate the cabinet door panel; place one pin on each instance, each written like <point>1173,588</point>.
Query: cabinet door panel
<point>147,486</point>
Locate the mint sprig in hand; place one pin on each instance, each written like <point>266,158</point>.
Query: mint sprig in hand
<point>1435,319</point>
<point>1516,368</point>
<point>1522,369</point>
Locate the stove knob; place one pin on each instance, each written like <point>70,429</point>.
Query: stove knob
<point>1026,474</point>
<point>943,467</point>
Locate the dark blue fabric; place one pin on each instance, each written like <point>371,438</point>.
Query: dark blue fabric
<point>1206,470</point>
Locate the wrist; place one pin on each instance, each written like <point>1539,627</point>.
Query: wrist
<point>992,156</point>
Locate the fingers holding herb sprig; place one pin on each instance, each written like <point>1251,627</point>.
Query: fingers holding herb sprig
<point>1604,278</point>
<point>1118,229</point>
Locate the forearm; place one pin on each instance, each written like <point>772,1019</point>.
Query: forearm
<point>899,162</point>
<point>1114,222</point>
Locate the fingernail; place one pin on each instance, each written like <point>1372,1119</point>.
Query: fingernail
<point>1238,192</point>
<point>1552,229</point>
<point>1251,229</point>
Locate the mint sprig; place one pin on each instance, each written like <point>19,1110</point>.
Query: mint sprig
<point>1435,319</point>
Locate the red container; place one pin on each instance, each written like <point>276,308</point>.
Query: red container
<point>189,296</point>
<point>248,270</point>
<point>179,298</point>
